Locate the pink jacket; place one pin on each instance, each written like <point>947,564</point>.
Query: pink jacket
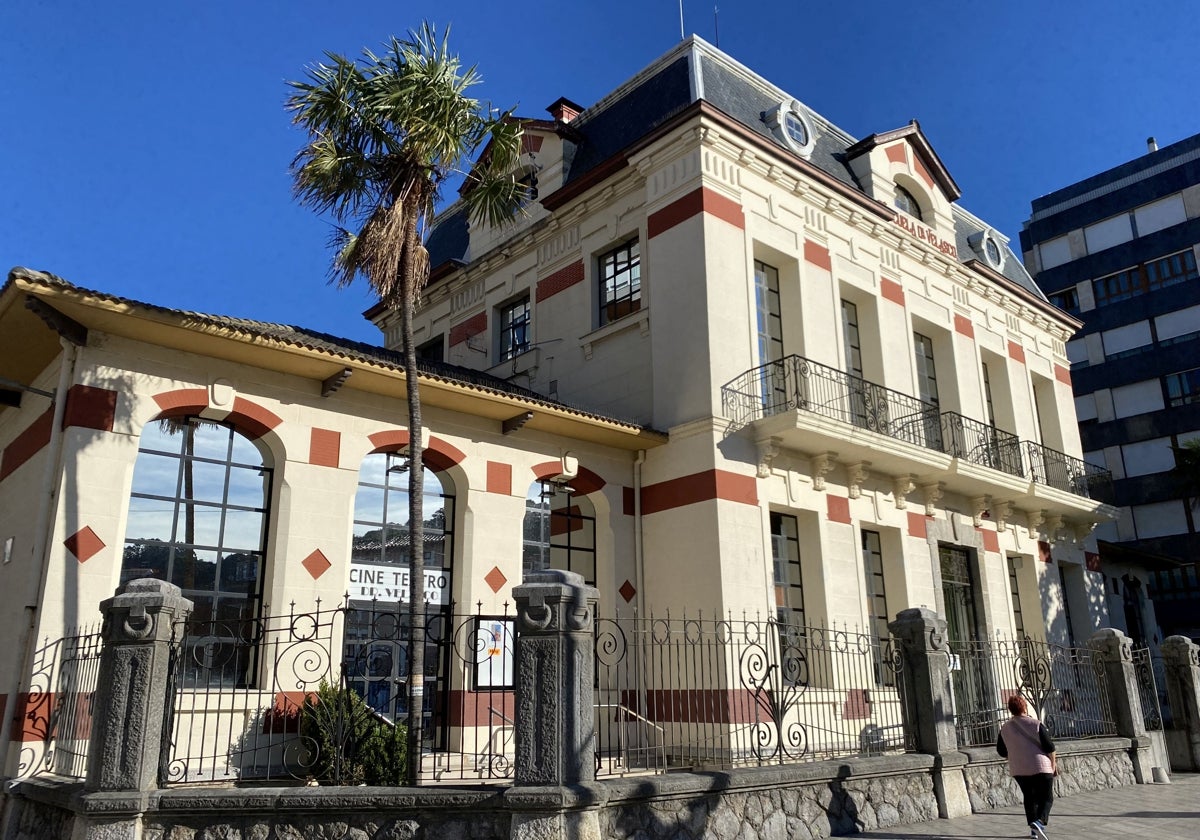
<point>1027,744</point>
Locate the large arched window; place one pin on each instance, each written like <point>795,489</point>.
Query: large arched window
<point>377,626</point>
<point>198,518</point>
<point>559,531</point>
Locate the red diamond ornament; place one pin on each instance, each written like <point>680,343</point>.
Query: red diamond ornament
<point>84,544</point>
<point>627,591</point>
<point>495,579</point>
<point>316,564</point>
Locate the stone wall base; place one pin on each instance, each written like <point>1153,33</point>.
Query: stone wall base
<point>1095,764</point>
<point>770,803</point>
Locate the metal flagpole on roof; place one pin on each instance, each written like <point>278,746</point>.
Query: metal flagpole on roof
<point>681,35</point>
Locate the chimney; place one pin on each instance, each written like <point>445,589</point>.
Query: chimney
<point>564,110</point>
<point>1151,144</point>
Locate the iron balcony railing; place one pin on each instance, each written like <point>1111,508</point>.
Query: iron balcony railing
<point>981,444</point>
<point>1057,469</point>
<point>795,383</point>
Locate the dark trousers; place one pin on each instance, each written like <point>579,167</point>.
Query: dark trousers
<point>1038,791</point>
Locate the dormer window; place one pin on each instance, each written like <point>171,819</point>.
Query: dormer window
<point>906,203</point>
<point>791,124</point>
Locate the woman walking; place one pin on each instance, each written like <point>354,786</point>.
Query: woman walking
<point>1026,744</point>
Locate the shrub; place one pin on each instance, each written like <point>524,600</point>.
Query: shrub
<point>352,743</point>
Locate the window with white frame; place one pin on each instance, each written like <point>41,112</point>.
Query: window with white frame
<point>785,556</point>
<point>513,328</point>
<point>620,282</point>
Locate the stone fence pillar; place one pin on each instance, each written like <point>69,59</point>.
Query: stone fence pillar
<point>555,708</point>
<point>1181,661</point>
<point>556,738</point>
<point>929,702</point>
<point>127,715</point>
<point>1120,678</point>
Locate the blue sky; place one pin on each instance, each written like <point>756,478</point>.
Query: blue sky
<point>145,150</point>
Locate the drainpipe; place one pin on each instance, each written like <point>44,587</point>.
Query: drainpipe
<point>40,555</point>
<point>639,566</point>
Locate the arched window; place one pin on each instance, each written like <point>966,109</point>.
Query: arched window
<point>376,652</point>
<point>198,518</point>
<point>907,203</point>
<point>559,531</point>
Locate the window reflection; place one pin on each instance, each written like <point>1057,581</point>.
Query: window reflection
<point>197,518</point>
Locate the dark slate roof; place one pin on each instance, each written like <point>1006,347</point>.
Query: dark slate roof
<point>965,226</point>
<point>1135,167</point>
<point>323,342</point>
<point>690,72</point>
<point>449,238</point>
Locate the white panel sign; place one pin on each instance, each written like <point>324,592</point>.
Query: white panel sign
<point>1179,322</point>
<point>1138,398</point>
<point>1124,338</point>
<point>1055,252</point>
<point>378,582</point>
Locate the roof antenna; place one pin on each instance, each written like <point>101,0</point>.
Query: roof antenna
<point>681,35</point>
<point>716,28</point>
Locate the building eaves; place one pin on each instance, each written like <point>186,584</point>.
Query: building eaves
<point>312,340</point>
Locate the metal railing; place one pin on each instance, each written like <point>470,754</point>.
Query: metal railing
<point>980,443</point>
<point>322,696</point>
<point>1065,687</point>
<point>1064,472</point>
<point>697,691</point>
<point>795,383</point>
<point>56,716</point>
<point>1152,689</point>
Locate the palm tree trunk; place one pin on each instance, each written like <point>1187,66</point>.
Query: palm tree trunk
<point>416,532</point>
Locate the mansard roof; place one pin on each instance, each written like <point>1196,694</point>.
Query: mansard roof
<point>694,75</point>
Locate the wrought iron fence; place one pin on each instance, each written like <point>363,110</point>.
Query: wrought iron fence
<point>1152,689</point>
<point>322,696</point>
<point>1065,687</point>
<point>56,717</point>
<point>693,692</point>
<point>1059,470</point>
<point>982,444</point>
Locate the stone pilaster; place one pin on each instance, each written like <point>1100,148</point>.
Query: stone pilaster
<point>1120,678</point>
<point>127,722</point>
<point>556,739</point>
<point>1181,661</point>
<point>555,707</point>
<point>929,702</point>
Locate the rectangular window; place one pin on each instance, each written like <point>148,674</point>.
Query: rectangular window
<point>1066,605</point>
<point>1183,388</point>
<point>620,282</point>
<point>1156,274</point>
<point>1014,590</point>
<point>987,395</point>
<point>514,329</point>
<point>926,373</point>
<point>851,339</point>
<point>789,587</point>
<point>432,350</point>
<point>770,320</point>
<point>877,609</point>
<point>1067,299</point>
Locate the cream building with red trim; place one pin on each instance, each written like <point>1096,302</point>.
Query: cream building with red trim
<point>835,409</point>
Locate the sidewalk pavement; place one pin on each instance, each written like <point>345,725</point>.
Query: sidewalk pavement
<point>1154,812</point>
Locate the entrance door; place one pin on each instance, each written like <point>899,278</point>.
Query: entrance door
<point>974,715</point>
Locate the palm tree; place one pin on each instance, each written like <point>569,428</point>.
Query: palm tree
<point>384,133</point>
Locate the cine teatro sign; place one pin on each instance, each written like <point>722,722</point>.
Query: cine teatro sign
<point>926,234</point>
<point>377,582</point>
